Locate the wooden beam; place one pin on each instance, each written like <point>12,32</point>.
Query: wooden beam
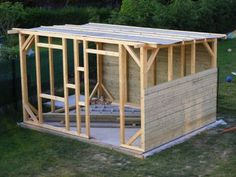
<point>214,58</point>
<point>29,44</point>
<point>99,69</point>
<point>132,54</point>
<point>134,137</point>
<point>71,86</point>
<point>30,37</point>
<point>35,111</point>
<point>152,58</point>
<point>94,91</point>
<point>38,80</point>
<point>193,58</point>
<point>170,63</point>
<point>51,73</point>
<point>143,86</point>
<point>30,112</point>
<point>209,50</point>
<point>77,85</point>
<point>86,87</point>
<point>23,71</point>
<point>122,93</point>
<point>52,46</point>
<point>65,81</point>
<point>52,97</point>
<point>182,61</point>
<point>107,92</point>
<point>103,52</point>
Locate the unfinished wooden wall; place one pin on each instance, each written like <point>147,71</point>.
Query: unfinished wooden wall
<point>111,69</point>
<point>180,106</point>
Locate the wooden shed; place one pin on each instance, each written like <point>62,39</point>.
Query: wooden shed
<point>169,76</point>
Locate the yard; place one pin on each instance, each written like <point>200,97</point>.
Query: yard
<point>213,153</point>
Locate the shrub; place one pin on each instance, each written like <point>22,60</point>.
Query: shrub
<point>10,15</point>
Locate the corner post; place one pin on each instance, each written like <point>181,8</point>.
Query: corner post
<point>182,61</point>
<point>193,57</point>
<point>122,55</point>
<point>143,86</point>
<point>23,70</point>
<point>214,58</point>
<point>170,63</point>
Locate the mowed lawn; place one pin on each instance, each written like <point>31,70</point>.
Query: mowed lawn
<point>25,152</point>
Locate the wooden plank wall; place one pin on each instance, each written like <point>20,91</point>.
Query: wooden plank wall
<point>111,69</point>
<point>180,106</point>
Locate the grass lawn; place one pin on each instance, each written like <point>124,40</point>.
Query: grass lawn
<point>25,152</point>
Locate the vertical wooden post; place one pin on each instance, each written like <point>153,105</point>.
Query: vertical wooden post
<point>182,61</point>
<point>170,63</point>
<point>77,86</point>
<point>51,74</point>
<point>154,71</point>
<point>38,79</point>
<point>193,58</point>
<point>86,87</point>
<point>122,56</point>
<point>125,74</point>
<point>143,86</point>
<point>214,58</point>
<point>99,69</point>
<point>65,80</point>
<point>23,70</point>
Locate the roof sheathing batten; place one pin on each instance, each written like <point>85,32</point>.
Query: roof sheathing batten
<point>127,33</point>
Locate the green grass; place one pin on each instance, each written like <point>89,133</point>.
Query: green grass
<point>25,152</point>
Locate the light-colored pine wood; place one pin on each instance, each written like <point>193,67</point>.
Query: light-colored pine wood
<point>170,63</point>
<point>193,58</point>
<point>23,70</point>
<point>103,52</point>
<point>38,80</point>
<point>27,41</point>
<point>134,137</point>
<point>77,85</point>
<point>133,54</point>
<point>51,46</point>
<point>51,73</point>
<point>52,97</point>
<point>99,70</point>
<point>143,86</point>
<point>182,61</point>
<point>122,93</point>
<point>214,58</point>
<point>30,112</point>
<point>152,58</point>
<point>210,51</point>
<point>86,87</point>
<point>65,81</point>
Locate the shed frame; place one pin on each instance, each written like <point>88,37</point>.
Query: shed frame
<point>30,37</point>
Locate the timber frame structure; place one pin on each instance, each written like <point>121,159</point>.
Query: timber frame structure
<point>144,46</point>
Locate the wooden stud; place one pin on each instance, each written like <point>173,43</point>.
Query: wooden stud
<point>24,87</point>
<point>214,58</point>
<point>193,58</point>
<point>107,92</point>
<point>170,63</point>
<point>65,80</point>
<point>99,69</point>
<point>209,50</point>
<point>77,86</point>
<point>38,80</point>
<point>51,73</point>
<point>143,86</point>
<point>52,97</point>
<point>182,61</point>
<point>86,85</point>
<point>122,93</point>
<point>27,41</point>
